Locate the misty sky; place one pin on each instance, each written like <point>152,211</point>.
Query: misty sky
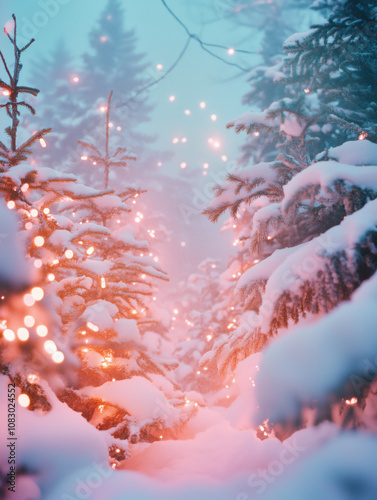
<point>198,78</point>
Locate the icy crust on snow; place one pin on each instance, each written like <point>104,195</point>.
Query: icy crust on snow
<point>304,263</point>
<point>298,37</point>
<point>137,396</point>
<point>264,269</point>
<point>325,174</point>
<point>352,153</point>
<point>127,330</point>
<point>296,370</point>
<point>246,120</point>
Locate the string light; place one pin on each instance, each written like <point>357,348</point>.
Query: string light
<point>46,211</point>
<point>39,241</point>
<point>42,330</point>
<point>175,140</point>
<point>29,321</point>
<point>205,165</point>
<point>28,226</point>
<point>351,401</point>
<point>23,334</point>
<point>23,400</point>
<point>37,293</point>
<point>103,282</point>
<point>34,212</point>
<point>224,158</point>
<point>202,105</point>
<point>362,136</point>
<point>84,158</point>
<point>184,140</point>
<point>9,335</point>
<point>75,79</point>
<point>90,250</point>
<point>92,326</point>
<point>50,347</point>
<point>29,300</point>
<point>187,112</point>
<point>43,142</point>
<point>11,205</point>
<point>58,357</point>
<point>51,277</point>
<point>24,187</point>
<point>183,164</point>
<point>306,91</point>
<point>213,117</point>
<point>68,253</point>
<point>231,51</point>
<point>172,98</point>
<point>32,378</point>
<point>256,134</point>
<point>159,67</point>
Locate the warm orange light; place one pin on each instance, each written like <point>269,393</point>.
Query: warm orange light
<point>23,400</point>
<point>39,241</point>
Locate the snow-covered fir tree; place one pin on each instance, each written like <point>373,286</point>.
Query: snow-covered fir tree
<point>106,304</point>
<point>314,261</point>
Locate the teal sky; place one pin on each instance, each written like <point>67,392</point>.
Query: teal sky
<point>198,78</point>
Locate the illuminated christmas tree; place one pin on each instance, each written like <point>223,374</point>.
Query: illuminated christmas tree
<point>106,304</point>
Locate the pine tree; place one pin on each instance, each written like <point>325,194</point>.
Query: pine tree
<point>106,302</point>
<point>310,266</point>
<point>31,340</point>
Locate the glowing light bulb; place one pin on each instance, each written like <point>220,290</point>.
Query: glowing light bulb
<point>224,158</point>
<point>29,300</point>
<point>183,243</point>
<point>216,144</point>
<point>92,326</point>
<point>213,118</point>
<point>9,335</point>
<point>28,225</point>
<point>184,140</point>
<point>119,128</point>
<point>42,330</point>
<point>23,334</point>
<point>351,401</point>
<point>90,250</point>
<point>103,38</point>
<point>209,337</point>
<point>84,157</point>
<point>29,321</point>
<point>58,357</point>
<point>183,164</point>
<point>103,282</point>
<point>187,112</point>
<point>175,140</point>
<point>134,311</point>
<point>159,67</point>
<point>11,204</point>
<point>46,211</point>
<point>68,253</point>
<point>202,105</point>
<point>50,347</point>
<point>23,400</point>
<point>103,109</point>
<point>32,378</point>
<point>42,142</point>
<point>172,98</point>
<point>37,293</point>
<point>24,187</point>
<point>256,134</point>
<point>306,91</point>
<point>362,136</point>
<point>159,164</point>
<point>6,93</point>
<point>34,212</point>
<point>204,172</point>
<point>75,79</point>
<point>231,51</point>
<point>205,165</point>
<point>51,277</point>
<point>39,241</point>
